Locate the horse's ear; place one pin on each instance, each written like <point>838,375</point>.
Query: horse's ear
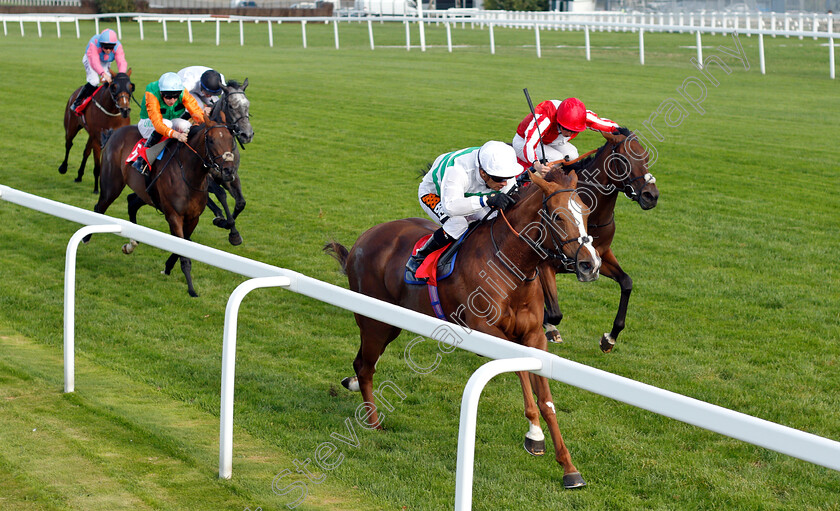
<point>245,84</point>
<point>222,115</point>
<point>206,119</point>
<point>539,181</point>
<point>612,137</point>
<point>128,72</point>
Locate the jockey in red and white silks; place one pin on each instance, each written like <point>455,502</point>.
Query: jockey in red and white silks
<point>558,122</point>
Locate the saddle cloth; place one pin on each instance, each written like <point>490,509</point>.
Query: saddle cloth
<point>139,151</point>
<point>87,101</point>
<point>436,266</point>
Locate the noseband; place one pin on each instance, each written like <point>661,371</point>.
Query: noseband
<point>555,254</point>
<point>627,184</point>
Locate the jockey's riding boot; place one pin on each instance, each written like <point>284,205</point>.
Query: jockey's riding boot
<point>438,240</point>
<point>86,91</point>
<point>140,163</point>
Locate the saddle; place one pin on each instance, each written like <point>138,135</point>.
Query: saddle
<point>436,266</point>
<point>149,154</point>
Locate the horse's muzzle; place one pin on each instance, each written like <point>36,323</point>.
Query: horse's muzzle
<point>125,112</point>
<point>649,197</point>
<point>586,271</point>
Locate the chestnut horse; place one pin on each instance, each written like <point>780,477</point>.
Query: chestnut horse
<point>179,188</point>
<point>109,108</point>
<point>620,165</point>
<point>375,267</point>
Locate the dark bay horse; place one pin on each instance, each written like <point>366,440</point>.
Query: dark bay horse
<point>233,107</point>
<point>180,185</point>
<point>375,267</point>
<point>108,109</point>
<point>620,165</point>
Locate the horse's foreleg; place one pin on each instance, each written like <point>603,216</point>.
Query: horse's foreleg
<point>134,203</point>
<point>534,438</point>
<point>239,199</point>
<point>611,269</point>
<point>552,314</point>
<point>186,262</point>
<point>88,148</point>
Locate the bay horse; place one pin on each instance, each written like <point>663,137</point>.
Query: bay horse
<point>234,105</point>
<point>620,165</point>
<point>109,108</point>
<point>375,267</point>
<point>179,188</point>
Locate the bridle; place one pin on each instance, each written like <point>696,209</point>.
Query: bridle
<point>628,181</point>
<point>232,125</point>
<point>209,161</point>
<point>555,254</point>
<point>114,97</point>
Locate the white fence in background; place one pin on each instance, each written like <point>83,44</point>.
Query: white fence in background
<point>507,355</point>
<point>801,25</point>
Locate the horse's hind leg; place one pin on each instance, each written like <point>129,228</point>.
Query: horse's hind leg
<point>375,337</point>
<point>88,148</point>
<point>71,128</point>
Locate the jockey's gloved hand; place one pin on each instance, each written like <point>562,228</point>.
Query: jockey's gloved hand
<point>500,201</point>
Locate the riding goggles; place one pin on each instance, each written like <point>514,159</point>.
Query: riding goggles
<point>170,95</point>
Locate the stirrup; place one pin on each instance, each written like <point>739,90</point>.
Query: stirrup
<point>413,264</point>
<point>141,167</point>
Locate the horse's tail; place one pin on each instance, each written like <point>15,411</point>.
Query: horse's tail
<point>103,139</point>
<point>338,252</point>
<point>423,171</point>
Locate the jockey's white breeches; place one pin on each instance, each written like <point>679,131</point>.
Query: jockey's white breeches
<point>147,128</point>
<point>556,150</point>
<point>92,76</point>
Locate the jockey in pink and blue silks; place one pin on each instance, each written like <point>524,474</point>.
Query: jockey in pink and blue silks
<point>102,50</point>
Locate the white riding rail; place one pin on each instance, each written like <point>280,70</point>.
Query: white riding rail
<point>507,355</point>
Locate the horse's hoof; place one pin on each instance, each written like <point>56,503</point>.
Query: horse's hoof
<point>554,336</point>
<point>77,180</point>
<point>607,343</point>
<point>351,383</point>
<point>127,249</point>
<point>534,447</point>
<point>219,222</point>
<point>192,293</point>
<point>235,239</point>
<point>62,169</point>
<point>573,480</point>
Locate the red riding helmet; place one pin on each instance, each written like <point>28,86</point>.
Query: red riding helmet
<point>572,114</point>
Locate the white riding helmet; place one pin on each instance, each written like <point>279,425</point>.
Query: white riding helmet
<point>498,160</point>
<point>170,82</point>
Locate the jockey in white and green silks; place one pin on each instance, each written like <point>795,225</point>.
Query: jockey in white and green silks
<point>463,186</point>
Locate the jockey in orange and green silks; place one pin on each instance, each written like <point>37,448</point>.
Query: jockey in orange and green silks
<point>164,102</point>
